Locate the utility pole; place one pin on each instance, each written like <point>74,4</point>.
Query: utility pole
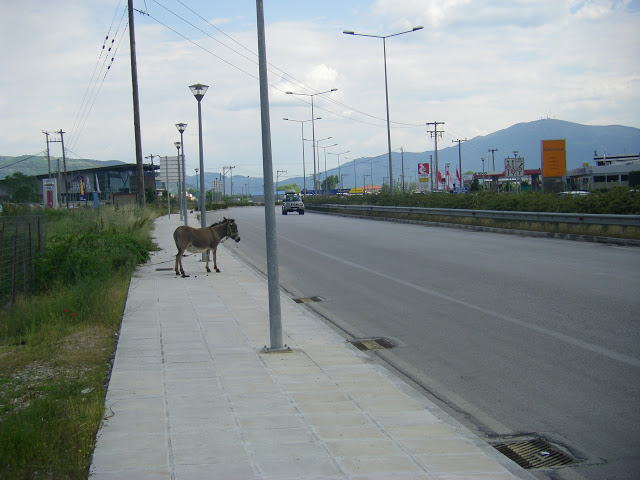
<point>64,164</point>
<point>460,159</point>
<point>224,174</point>
<point>402,154</point>
<point>231,178</point>
<point>278,172</point>
<point>493,158</point>
<point>273,275</point>
<point>136,108</point>
<point>434,134</point>
<point>155,186</point>
<point>48,156</point>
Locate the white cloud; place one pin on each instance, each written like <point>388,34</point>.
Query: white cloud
<point>479,66</point>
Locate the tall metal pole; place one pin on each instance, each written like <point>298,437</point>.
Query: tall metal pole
<point>177,144</point>
<point>386,93</point>
<point>136,108</point>
<point>402,152</point>
<point>304,170</point>
<point>313,144</point>
<point>184,181</point>
<point>64,164</point>
<point>275,318</point>
<point>203,205</point>
<point>386,88</point>
<point>166,189</point>
<point>48,155</point>
<point>460,159</point>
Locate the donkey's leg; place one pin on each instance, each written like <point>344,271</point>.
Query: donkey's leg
<point>207,264</point>
<point>215,263</point>
<point>178,262</point>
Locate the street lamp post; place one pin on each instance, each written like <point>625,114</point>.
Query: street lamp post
<point>198,91</point>
<point>178,144</point>
<point>197,180</point>
<point>338,155</point>
<point>386,88</point>
<point>304,172</point>
<point>313,129</point>
<point>342,181</point>
<point>278,172</point>
<point>325,162</point>
<point>183,197</point>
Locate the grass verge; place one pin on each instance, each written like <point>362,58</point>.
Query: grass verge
<point>56,348</point>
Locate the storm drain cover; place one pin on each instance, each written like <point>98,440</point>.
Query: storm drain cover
<point>308,299</point>
<point>163,269</point>
<point>377,343</point>
<point>536,453</point>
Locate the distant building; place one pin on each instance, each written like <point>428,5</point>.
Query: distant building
<point>112,184</point>
<point>608,171</point>
<point>495,178</point>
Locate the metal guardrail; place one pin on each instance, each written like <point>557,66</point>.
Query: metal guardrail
<point>541,217</point>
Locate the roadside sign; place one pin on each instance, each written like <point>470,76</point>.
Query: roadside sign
<point>423,169</point>
<point>514,167</point>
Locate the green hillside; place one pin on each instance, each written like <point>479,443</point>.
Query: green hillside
<point>37,165</point>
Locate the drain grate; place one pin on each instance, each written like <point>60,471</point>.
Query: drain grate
<point>536,453</point>
<point>164,269</point>
<point>377,343</point>
<point>308,299</point>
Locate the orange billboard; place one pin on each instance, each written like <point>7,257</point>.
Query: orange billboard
<point>554,158</point>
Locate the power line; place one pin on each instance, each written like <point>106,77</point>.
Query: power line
<point>22,160</point>
<point>279,72</point>
<point>87,103</point>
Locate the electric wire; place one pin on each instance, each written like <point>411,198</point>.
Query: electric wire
<point>278,71</point>
<point>77,136</point>
<point>91,93</point>
<point>22,160</point>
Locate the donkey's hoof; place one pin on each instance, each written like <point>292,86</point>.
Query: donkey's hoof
<point>208,270</point>
<point>185,275</point>
<point>217,270</point>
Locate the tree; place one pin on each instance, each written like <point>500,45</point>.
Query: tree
<point>150,195</point>
<point>291,186</point>
<point>22,188</point>
<point>329,183</point>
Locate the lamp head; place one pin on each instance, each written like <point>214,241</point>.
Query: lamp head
<point>198,90</point>
<point>417,28</point>
<point>349,32</point>
<point>177,144</point>
<point>181,127</point>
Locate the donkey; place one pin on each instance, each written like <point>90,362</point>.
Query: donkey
<point>199,240</point>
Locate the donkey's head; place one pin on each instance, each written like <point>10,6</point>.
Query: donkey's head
<point>232,229</point>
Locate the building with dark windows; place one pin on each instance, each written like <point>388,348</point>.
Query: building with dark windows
<point>115,184</point>
<point>607,171</point>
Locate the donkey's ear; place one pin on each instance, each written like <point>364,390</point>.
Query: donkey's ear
<point>224,219</point>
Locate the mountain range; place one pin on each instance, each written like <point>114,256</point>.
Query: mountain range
<point>582,142</point>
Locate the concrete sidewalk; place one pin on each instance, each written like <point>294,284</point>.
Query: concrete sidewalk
<point>192,396</point>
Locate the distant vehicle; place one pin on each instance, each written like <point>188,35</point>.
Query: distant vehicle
<point>292,203</point>
<point>573,193</point>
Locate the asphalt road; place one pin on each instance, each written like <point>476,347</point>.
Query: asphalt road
<point>511,335</point>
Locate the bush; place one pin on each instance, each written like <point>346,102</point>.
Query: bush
<point>619,200</point>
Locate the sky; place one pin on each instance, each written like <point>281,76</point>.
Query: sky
<point>478,66</point>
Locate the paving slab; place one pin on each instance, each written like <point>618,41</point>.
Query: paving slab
<point>193,395</point>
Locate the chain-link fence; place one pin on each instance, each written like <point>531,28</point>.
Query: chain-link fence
<point>21,238</point>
